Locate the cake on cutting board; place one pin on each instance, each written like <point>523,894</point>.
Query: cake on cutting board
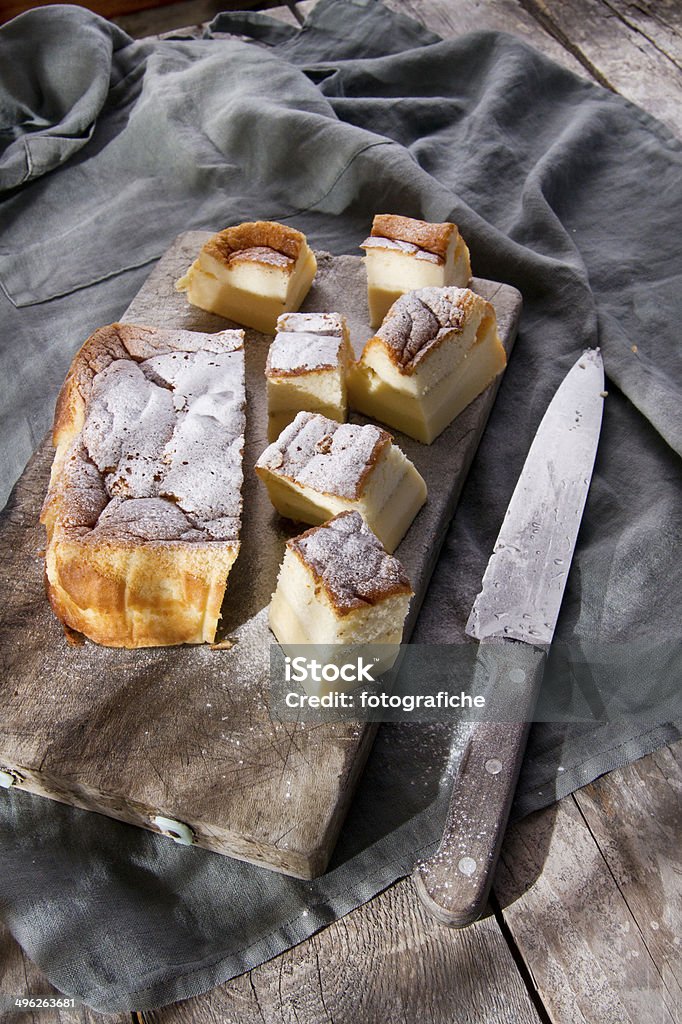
<point>402,254</point>
<point>338,585</point>
<point>157,698</point>
<point>318,468</point>
<point>306,368</point>
<point>251,273</point>
<point>143,511</point>
<point>436,350</point>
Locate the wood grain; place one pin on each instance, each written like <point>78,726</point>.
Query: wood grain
<point>388,937</point>
<point>631,48</point>
<point>580,885</point>
<point>658,21</point>
<point>455,882</point>
<point>186,732</point>
<point>635,817</point>
<point>456,17</point>
<point>194,15</point>
<point>609,41</point>
<point>156,10</point>
<point>387,961</point>
<point>20,978</point>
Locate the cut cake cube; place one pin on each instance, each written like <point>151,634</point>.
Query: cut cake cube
<point>338,585</point>
<point>306,369</point>
<point>437,350</point>
<point>403,254</point>
<point>251,273</point>
<point>318,468</point>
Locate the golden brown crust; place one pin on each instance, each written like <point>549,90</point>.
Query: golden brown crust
<point>126,563</point>
<point>434,238</point>
<point>135,598</point>
<point>303,371</point>
<point>350,564</point>
<point>419,322</point>
<point>260,234</point>
<point>102,347</point>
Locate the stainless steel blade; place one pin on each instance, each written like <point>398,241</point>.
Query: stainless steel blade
<point>525,579</point>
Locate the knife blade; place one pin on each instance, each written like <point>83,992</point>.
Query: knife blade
<point>513,618</point>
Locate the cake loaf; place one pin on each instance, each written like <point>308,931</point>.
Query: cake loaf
<point>144,505</point>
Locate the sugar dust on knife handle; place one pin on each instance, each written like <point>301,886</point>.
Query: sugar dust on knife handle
<point>454,884</point>
<point>513,618</point>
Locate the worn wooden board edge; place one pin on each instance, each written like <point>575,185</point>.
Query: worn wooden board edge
<point>36,776</point>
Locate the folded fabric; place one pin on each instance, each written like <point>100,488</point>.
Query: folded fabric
<point>109,148</point>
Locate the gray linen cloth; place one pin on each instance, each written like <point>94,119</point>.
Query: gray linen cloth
<point>108,149</point>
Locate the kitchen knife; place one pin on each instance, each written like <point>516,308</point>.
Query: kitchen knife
<point>513,618</point>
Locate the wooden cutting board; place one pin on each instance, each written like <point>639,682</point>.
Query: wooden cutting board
<point>185,732</point>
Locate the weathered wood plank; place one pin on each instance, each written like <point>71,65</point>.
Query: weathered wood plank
<point>573,924</point>
<point>455,17</point>
<point>635,817</point>
<point>659,21</point>
<point>387,961</point>
<point>617,53</point>
<point>634,49</point>
<point>196,14</point>
<point>20,978</point>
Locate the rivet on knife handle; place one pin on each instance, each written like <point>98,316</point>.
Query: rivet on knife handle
<point>455,883</point>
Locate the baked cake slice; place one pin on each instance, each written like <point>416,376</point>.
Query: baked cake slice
<point>144,506</point>
<point>306,368</point>
<point>338,585</point>
<point>402,254</point>
<point>317,468</point>
<point>437,349</point>
<point>251,273</point>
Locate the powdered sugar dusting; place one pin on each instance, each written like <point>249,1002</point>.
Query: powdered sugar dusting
<point>160,453</point>
<point>330,457</point>
<point>295,352</point>
<point>262,254</point>
<point>329,324</point>
<point>377,242</point>
<point>143,518</point>
<point>419,320</point>
<point>351,563</point>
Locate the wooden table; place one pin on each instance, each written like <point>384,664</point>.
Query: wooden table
<point>585,915</point>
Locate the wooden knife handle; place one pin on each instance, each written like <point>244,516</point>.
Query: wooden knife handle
<point>455,883</point>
